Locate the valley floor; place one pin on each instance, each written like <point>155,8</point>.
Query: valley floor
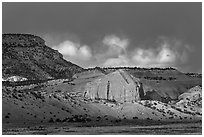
<point>80,129</point>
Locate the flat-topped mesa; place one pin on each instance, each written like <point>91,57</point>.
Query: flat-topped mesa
<point>139,68</point>
<point>22,40</point>
<point>116,86</point>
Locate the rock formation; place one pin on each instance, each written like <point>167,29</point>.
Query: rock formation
<point>116,86</point>
<point>193,96</point>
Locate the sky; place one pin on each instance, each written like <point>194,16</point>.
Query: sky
<point>114,34</point>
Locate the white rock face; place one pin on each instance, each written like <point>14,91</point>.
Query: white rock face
<point>119,86</point>
<point>192,94</point>
<point>191,100</point>
<point>14,79</point>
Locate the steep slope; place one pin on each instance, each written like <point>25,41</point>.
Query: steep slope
<point>27,56</point>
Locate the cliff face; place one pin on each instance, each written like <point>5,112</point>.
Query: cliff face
<point>117,86</point>
<point>27,56</point>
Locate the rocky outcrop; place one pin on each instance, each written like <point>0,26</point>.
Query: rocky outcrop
<point>116,86</point>
<point>27,56</point>
<point>193,96</point>
<point>191,101</point>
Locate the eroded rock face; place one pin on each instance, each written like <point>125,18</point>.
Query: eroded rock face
<point>27,56</point>
<point>191,101</point>
<point>119,86</point>
<point>193,96</point>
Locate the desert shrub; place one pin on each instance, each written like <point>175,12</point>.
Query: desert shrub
<point>14,95</point>
<point>98,117</point>
<point>135,118</point>
<point>58,120</point>
<point>198,113</point>
<point>7,116</point>
<point>66,119</point>
<point>68,111</point>
<point>51,120</point>
<point>37,95</point>
<point>153,107</point>
<point>172,78</point>
<point>79,118</point>
<point>58,91</point>
<point>118,120</point>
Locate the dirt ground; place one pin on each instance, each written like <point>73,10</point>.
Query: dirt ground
<point>131,129</point>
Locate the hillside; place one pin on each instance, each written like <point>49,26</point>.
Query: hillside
<point>27,56</point>
<point>62,102</point>
<point>55,101</point>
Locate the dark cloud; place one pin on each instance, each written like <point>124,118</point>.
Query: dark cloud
<point>88,24</point>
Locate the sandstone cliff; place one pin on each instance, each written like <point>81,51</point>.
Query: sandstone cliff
<point>116,86</point>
